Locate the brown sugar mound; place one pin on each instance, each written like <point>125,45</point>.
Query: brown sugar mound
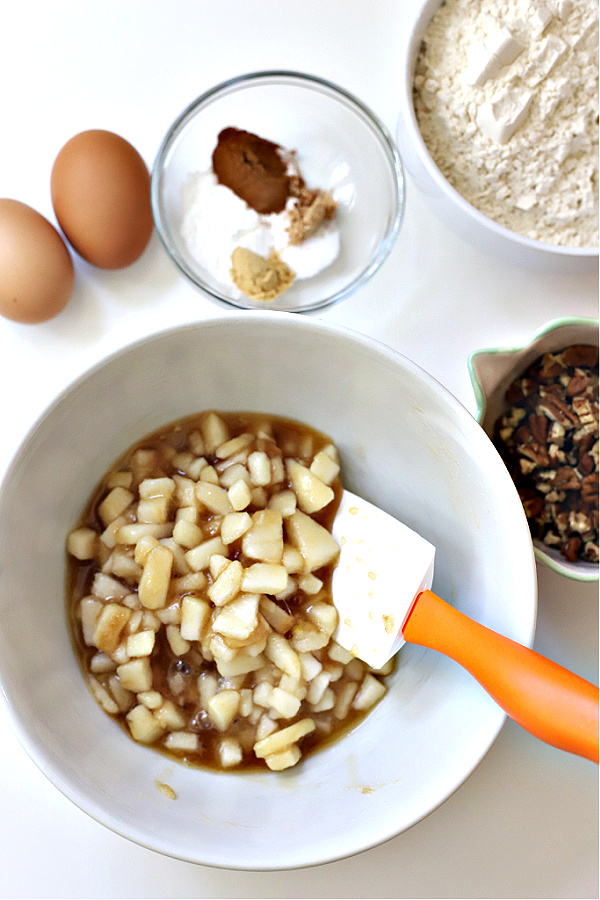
<point>311,210</point>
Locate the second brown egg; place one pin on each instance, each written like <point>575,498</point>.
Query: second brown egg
<point>100,188</point>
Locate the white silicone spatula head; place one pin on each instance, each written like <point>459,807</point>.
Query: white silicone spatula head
<point>381,590</point>
<point>383,566</point>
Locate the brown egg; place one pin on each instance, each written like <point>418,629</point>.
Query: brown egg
<point>36,269</point>
<point>100,189</point>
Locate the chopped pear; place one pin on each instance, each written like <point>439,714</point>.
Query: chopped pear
<point>315,544</point>
<point>264,540</point>
<point>312,493</point>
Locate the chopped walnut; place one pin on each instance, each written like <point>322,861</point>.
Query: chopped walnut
<point>548,438</point>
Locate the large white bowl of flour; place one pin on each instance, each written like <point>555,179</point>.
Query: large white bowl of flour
<point>498,126</point>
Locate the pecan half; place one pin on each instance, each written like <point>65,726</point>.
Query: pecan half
<point>589,489</point>
<point>584,410</point>
<point>586,464</point>
<point>580,355</point>
<point>537,453</point>
<point>556,409</point>
<point>578,383</point>
<point>566,479</point>
<point>571,549</point>
<point>538,426</point>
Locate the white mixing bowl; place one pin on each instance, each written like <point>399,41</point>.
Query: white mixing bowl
<point>407,445</point>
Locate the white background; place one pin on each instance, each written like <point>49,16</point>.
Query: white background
<point>525,824</point>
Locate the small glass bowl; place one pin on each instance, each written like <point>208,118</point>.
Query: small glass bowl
<point>493,371</point>
<point>341,147</point>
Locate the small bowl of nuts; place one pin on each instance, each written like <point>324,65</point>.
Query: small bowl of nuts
<point>539,405</point>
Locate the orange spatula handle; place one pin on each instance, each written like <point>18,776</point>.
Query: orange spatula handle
<point>550,702</point>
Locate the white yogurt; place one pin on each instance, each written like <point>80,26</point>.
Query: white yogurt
<point>216,221</point>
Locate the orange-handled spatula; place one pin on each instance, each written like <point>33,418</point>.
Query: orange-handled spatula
<point>381,590</point>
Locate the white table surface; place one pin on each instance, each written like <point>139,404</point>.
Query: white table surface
<point>525,824</point>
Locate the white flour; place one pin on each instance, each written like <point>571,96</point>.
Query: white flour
<point>506,96</point>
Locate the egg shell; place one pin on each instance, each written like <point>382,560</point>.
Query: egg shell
<point>100,188</point>
<point>36,269</point>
